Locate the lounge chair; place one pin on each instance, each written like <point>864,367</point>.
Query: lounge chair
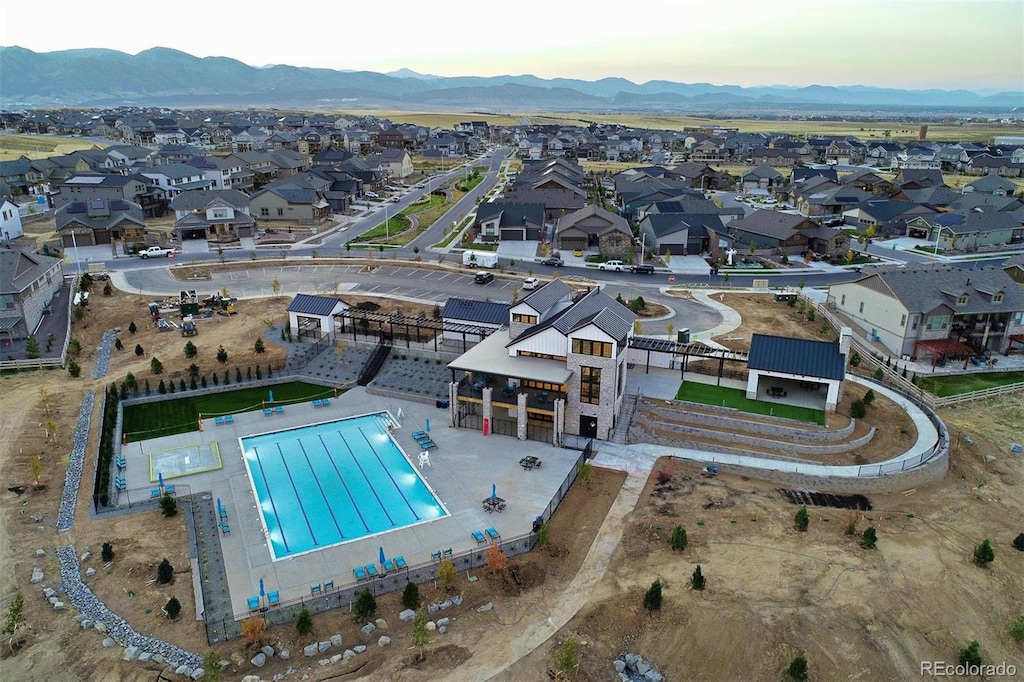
<point>371,571</point>
<point>427,444</point>
<point>359,572</point>
<point>326,402</point>
<point>218,420</point>
<point>122,463</point>
<point>225,528</point>
<point>223,513</point>
<point>436,556</point>
<point>315,589</point>
<point>229,419</point>
<point>279,409</point>
<point>154,492</point>
<point>493,534</point>
<point>273,598</point>
<point>419,434</point>
<point>120,484</point>
<point>400,562</point>
<point>447,552</point>
<point>388,566</point>
<point>267,411</point>
<point>317,403</point>
<point>328,585</point>
<point>479,537</point>
<point>169,489</point>
<point>254,603</point>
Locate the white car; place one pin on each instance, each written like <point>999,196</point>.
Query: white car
<point>616,265</point>
<point>770,202</point>
<point>531,283</point>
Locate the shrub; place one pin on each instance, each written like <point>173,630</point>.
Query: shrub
<point>566,658</point>
<point>181,384</point>
<point>222,355</point>
<point>107,552</point>
<point>170,386</point>
<point>869,539</point>
<point>365,608</point>
<point>304,622</point>
<point>248,373</point>
<point>238,375</point>
<point>496,559</point>
<point>73,369</point>
<point>190,350</point>
<point>697,580</point>
<point>132,328</point>
<point>679,541</point>
<point>855,359</point>
<point>802,519</point>
<point>446,574</point>
<point>138,350</point>
<point>652,597</point>
<point>971,655</point>
<point>147,387</point>
<point>260,348</point>
<point>161,388</point>
<point>411,596</point>
<point>32,349</point>
<point>155,366</point>
<point>164,572</point>
<point>168,505</point>
<point>259,372</point>
<point>1017,629</point>
<point>172,608</point>
<point>810,315</point>
<point>869,397</point>
<point>227,378</point>
<point>879,374</point>
<point>253,628</point>
<point>118,345</point>
<point>544,534</point>
<point>797,669</point>
<point>983,553</point>
<point>858,409</point>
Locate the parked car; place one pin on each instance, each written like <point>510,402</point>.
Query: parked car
<point>483,277</point>
<point>616,265</point>
<point>553,262</point>
<point>644,269</point>
<point>530,283</point>
<point>770,202</point>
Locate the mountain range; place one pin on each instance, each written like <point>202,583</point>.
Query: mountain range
<point>165,77</point>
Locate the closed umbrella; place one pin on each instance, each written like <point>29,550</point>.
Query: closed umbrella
<point>160,477</point>
<point>494,491</point>
<point>271,396</point>
<point>219,505</point>
<point>263,592</point>
<point>382,557</point>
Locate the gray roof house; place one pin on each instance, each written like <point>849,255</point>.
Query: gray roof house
<point>594,228</point>
<point>100,221</point>
<point>218,215</point>
<point>508,221</point>
<point>28,282</point>
<point>991,184</point>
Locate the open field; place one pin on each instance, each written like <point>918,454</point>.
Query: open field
<point>40,146</point>
<point>955,384</point>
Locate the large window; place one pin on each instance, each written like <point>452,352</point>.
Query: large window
<point>528,319</point>
<point>936,322</point>
<point>590,385</point>
<point>587,347</point>
<point>544,356</point>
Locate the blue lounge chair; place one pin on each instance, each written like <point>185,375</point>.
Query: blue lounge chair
<point>329,585</point>
<point>388,566</point>
<point>169,489</point>
<point>400,562</point>
<point>218,420</point>
<point>447,552</point>
<point>122,463</point>
<point>317,403</point>
<point>279,409</point>
<point>223,513</point>
<point>225,528</point>
<point>326,402</point>
<point>419,434</point>
<point>493,534</point>
<point>229,419</point>
<point>154,492</point>
<point>315,589</point>
<point>426,443</point>
<point>254,603</point>
<point>479,537</point>
<point>267,411</point>
<point>120,484</point>
<point>273,598</point>
<point>359,572</point>
<point>371,571</point>
<point>436,556</point>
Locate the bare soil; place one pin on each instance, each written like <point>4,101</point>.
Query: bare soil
<point>762,315</point>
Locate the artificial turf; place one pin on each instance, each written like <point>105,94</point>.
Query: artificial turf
<point>722,396</point>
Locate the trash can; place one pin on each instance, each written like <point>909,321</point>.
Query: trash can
<point>442,404</point>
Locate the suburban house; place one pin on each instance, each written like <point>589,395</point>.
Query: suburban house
<point>28,282</point>
<point>969,231</point>
<point>13,177</point>
<point>761,177</point>
<point>396,163</point>
<point>594,228</point>
<point>100,221</point>
<point>559,364</point>
<point>679,233</point>
<point>508,221</point>
<point>290,202</point>
<point>917,178</point>
<point>557,202</point>
<point>887,216</point>
<point>10,221</point>
<point>779,158</point>
<point>935,311</point>
<point>991,184</point>
<point>468,321</point>
<point>785,233</point>
<point>219,215</point>
<point>830,201</point>
<point>225,173</point>
<point>174,178</point>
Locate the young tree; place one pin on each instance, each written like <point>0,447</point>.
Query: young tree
<point>652,597</point>
<point>365,608</point>
<point>253,629</point>
<point>1017,629</point>
<point>276,286</point>
<point>132,328</point>
<point>162,388</point>
<point>181,384</point>
<point>496,559</point>
<point>131,382</point>
<point>35,470</point>
<point>238,375</point>
<point>222,355</point>
<point>190,350</point>
<point>858,409</point>
<point>869,397</point>
<point>983,553</point>
<point>107,552</point>
<point>566,655</point>
<point>168,505</point>
<point>697,580</point>
<point>172,608</point>
<point>420,635</point>
<point>585,473</point>
<point>138,350</point>
<point>971,654</point>
<point>155,366</point>
<point>304,622</point>
<point>411,596</point>
<point>147,387</point>
<point>869,539</point>
<point>73,369</point>
<point>679,540</point>
<point>544,534</point>
<point>15,621</point>
<point>211,667</point>
<point>164,572</point>
<point>802,519</point>
<point>797,669</point>
<point>446,574</point>
<point>259,373</point>
<point>260,348</point>
<point>227,378</point>
<point>32,350</point>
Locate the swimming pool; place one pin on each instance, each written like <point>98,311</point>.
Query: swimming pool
<point>334,482</point>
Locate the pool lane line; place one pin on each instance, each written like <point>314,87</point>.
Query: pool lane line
<point>298,498</point>
<point>316,478</point>
<point>388,472</point>
<point>270,498</point>
<point>366,478</point>
<point>344,485</point>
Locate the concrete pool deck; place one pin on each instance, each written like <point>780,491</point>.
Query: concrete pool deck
<point>461,472</point>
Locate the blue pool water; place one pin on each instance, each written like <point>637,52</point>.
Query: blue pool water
<point>330,483</point>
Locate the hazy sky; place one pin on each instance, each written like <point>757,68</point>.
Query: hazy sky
<point>971,44</point>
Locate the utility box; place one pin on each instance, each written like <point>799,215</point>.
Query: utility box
<point>683,336</point>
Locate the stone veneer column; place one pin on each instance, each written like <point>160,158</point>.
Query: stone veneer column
<point>488,409</point>
<point>521,419</point>
<point>558,430</point>
<point>453,404</point>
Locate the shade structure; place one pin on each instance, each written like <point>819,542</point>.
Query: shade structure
<point>263,591</point>
<point>382,557</point>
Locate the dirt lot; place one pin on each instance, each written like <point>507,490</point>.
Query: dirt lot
<point>762,315</point>
<point>772,592</point>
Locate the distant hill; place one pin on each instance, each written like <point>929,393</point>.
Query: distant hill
<point>161,76</point>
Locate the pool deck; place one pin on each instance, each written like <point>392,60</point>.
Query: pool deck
<point>461,472</point>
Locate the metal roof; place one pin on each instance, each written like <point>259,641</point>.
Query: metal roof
<point>796,356</point>
<point>484,312</point>
<point>307,304</point>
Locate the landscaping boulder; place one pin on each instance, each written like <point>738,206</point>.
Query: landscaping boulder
<point>49,592</point>
<point>381,624</point>
<point>251,678</point>
<point>457,600</point>
<point>441,629</point>
<point>441,622</point>
<point>40,552</point>
<point>432,608</point>
<point>198,674</point>
<point>183,670</point>
<point>337,658</point>
<point>642,666</point>
<point>359,648</point>
<point>653,676</point>
<point>445,605</point>
<point>145,657</point>
<point>107,642</point>
<point>37,575</point>
<point>323,646</point>
<point>100,626</point>
<point>407,615</point>
<point>90,572</point>
<point>87,624</point>
<point>368,629</point>
<point>348,654</point>
<point>620,666</point>
<point>485,608</point>
<point>336,640</point>
<point>285,655</point>
<point>259,660</point>
<point>311,650</point>
<point>384,640</point>
<point>431,625</point>
<point>58,606</point>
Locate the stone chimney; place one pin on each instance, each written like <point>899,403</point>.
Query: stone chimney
<point>845,335</point>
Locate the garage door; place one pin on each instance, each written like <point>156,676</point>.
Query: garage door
<point>193,234</point>
<point>102,237</point>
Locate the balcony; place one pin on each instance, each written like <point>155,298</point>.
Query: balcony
<point>506,395</point>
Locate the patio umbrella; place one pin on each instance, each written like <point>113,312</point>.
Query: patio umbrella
<point>263,592</point>
<point>428,426</point>
<point>382,557</point>
<point>271,395</point>
<point>494,491</point>
<point>160,477</point>
<point>219,505</point>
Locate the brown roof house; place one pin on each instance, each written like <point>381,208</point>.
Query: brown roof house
<point>785,233</point>
<point>593,228</point>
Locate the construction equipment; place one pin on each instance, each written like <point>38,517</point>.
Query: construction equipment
<point>188,326</point>
<point>188,303</point>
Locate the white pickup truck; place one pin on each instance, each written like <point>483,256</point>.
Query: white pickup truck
<point>156,252</point>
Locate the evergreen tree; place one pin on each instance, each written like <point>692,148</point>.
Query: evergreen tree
<point>304,622</point>
<point>172,608</point>
<point>132,328</point>
<point>983,553</point>
<point>802,519</point>
<point>679,539</point>
<point>222,355</point>
<point>138,350</point>
<point>365,608</point>
<point>164,572</point>
<point>259,347</point>
<point>869,539</point>
<point>797,669</point>
<point>652,597</point>
<point>411,596</point>
<point>697,580</point>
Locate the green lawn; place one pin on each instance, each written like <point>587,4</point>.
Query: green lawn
<point>708,394</point>
<point>181,415</point>
<point>955,384</point>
